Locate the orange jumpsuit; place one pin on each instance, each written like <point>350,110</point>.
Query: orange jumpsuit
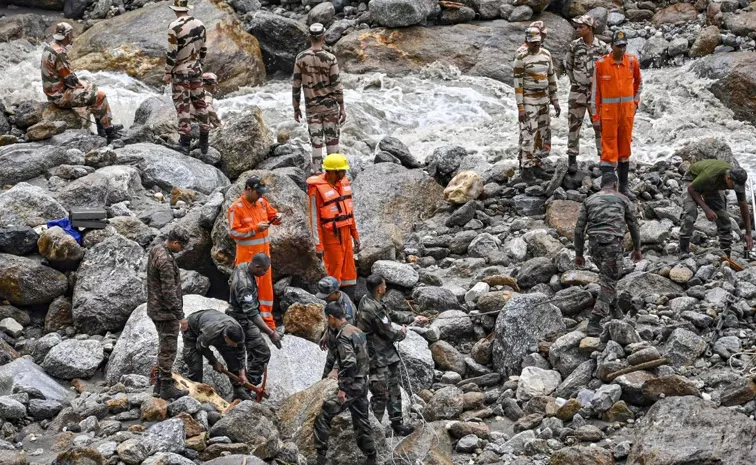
<point>615,96</point>
<point>333,226</point>
<point>243,218</point>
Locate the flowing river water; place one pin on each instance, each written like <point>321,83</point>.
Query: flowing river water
<point>438,106</point>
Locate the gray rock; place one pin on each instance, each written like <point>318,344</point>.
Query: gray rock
<point>726,346</point>
<point>573,300</point>
<point>469,444</point>
<point>446,404</point>
<point>565,355</point>
<point>280,38</point>
<point>186,404</point>
<point>526,319</point>
<point>530,206</point>
<point>678,46</point>
<point>621,332</point>
<point>210,210</point>
<point>535,271</point>
<point>418,362</point>
<point>11,409</point>
<point>683,304</point>
<point>397,148</point>
<point>521,13</point>
<point>444,161</point>
<point>234,459</point>
<point>606,396</point>
<point>453,325</point>
<point>18,240</point>
<point>170,458</point>
<point>576,380</point>
<point>640,284</point>
<point>435,299</point>
<point>11,327</point>
<point>25,282</point>
<point>133,451</point>
<point>73,358</point>
<point>27,205</point>
<point>400,13</point>
<point>244,141</point>
<point>400,274</point>
<point>252,424</point>
<point>22,162</point>
<point>535,382</point>
<point>166,436</point>
<point>24,375</point>
<point>106,186</point>
<point>683,347</point>
<point>484,245</point>
<point>322,13</point>
<point>103,299</point>
<point>462,215</point>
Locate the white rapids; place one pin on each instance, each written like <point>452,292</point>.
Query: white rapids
<point>439,106</point>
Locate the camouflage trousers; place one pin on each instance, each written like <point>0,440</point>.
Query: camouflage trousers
<point>384,386</point>
<point>535,135</point>
<point>189,99</point>
<point>193,358</point>
<point>324,130</point>
<point>258,352</point>
<point>579,102</point>
<point>606,253</point>
<point>87,95</point>
<point>717,202</point>
<point>357,403</point>
<point>167,346</point>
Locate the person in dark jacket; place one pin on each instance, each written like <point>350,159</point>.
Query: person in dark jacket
<point>166,308</point>
<point>211,328</point>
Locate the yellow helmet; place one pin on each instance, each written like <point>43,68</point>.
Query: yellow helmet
<point>335,162</point>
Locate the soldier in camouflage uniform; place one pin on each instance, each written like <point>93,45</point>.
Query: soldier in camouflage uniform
<point>535,87</point>
<point>578,62</point>
<point>374,320</point>
<point>183,69</point>
<point>704,185</point>
<point>166,308</point>
<point>64,89</point>
<point>317,73</point>
<point>328,290</point>
<point>541,28</point>
<point>245,308</point>
<point>347,348</point>
<point>603,216</point>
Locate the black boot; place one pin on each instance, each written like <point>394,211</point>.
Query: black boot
<point>606,169</point>
<point>572,164</point>
<point>320,459</point>
<point>113,132</point>
<point>204,143</point>
<point>185,144</point>
<point>684,247</point>
<point>623,169</point>
<point>168,390</point>
<point>527,174</point>
<point>594,326</point>
<point>371,460</point>
<point>100,129</point>
<point>401,429</point>
<point>241,393</point>
<point>156,389</point>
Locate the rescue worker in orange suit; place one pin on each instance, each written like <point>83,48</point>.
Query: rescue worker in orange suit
<point>249,219</point>
<point>332,222</point>
<point>615,97</point>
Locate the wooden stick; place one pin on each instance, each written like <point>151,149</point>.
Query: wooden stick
<point>643,366</point>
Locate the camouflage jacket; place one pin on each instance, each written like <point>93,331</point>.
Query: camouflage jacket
<point>243,298</point>
<point>603,216</point>
<point>316,72</point>
<point>579,62</point>
<point>164,297</point>
<point>535,81</point>
<point>186,46</point>
<point>57,74</point>
<point>347,347</point>
<point>375,321</point>
<point>206,329</point>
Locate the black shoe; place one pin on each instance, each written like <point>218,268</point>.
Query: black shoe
<point>371,460</point>
<point>527,174</point>
<point>594,326</point>
<point>100,129</point>
<point>168,390</point>
<point>185,144</point>
<point>113,132</point>
<point>241,393</point>
<point>204,143</point>
<point>572,164</point>
<point>320,459</point>
<point>400,429</point>
<point>623,170</point>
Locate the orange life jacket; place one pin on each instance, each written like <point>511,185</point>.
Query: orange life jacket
<point>337,210</point>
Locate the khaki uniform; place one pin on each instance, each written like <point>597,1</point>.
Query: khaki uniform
<point>579,62</point>
<point>164,304</point>
<point>183,63</point>
<point>535,87</point>
<point>64,90</point>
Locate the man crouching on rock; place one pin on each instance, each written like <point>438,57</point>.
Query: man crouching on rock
<point>347,345</point>
<point>208,328</point>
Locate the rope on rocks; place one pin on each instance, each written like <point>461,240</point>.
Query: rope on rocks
<point>749,366</point>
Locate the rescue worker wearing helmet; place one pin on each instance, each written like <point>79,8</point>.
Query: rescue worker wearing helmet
<point>615,96</point>
<point>334,229</point>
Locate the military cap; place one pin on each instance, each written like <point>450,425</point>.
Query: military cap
<point>317,29</point>
<point>209,79</point>
<point>327,286</point>
<point>541,27</point>
<point>739,177</point>
<point>181,5</point>
<point>619,38</point>
<point>62,30</point>
<point>254,182</point>
<point>585,19</point>
<point>532,34</point>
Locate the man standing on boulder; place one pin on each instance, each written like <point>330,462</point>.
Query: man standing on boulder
<point>165,307</point>
<point>704,186</point>
<point>317,72</point>
<point>249,219</point>
<point>64,89</point>
<point>375,321</point>
<point>615,96</point>
<point>535,87</point>
<point>347,345</point>
<point>245,309</point>
<point>183,69</point>
<point>332,221</point>
<point>603,217</point>
<point>579,62</point>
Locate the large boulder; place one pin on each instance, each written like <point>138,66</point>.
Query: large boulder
<point>109,285</point>
<point>418,362</point>
<point>154,120</point>
<point>291,246</point>
<point>243,142</point>
<point>430,445</point>
<point>486,49</point>
<point>733,82</point>
<point>106,186</point>
<point>296,419</point>
<point>641,283</point>
<point>674,14</point>
<point>26,282</point>
<point>525,320</point>
<point>400,13</point>
<point>663,435</point>
<point>388,200</point>
<point>166,168</point>
<point>562,215</point>
<point>60,248</point>
<point>253,424</point>
<point>111,45</point>
<point>23,375</point>
<point>27,205</point>
<point>281,39</point>
<point>22,162</point>
<point>73,358</point>
<point>574,8</point>
<point>707,148</point>
<point>742,23</point>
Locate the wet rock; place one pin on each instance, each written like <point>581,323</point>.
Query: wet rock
<point>446,404</point>
<point>444,161</point>
<point>529,206</point>
<point>397,149</point>
<point>708,40</point>
<point>664,435</point>
<point>400,13</point>
<point>280,38</point>
<point>24,375</point>
<point>733,75</point>
<point>526,319</point>
<point>73,358</point>
<point>683,347</point>
<point>60,248</point>
<point>18,240</point>
<point>22,162</point>
<point>26,282</point>
<point>535,382</point>
<point>27,205</point>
